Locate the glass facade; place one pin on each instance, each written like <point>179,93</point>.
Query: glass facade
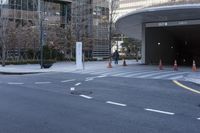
<point>100,26</point>
<point>55,11</point>
<point>90,19</point>
<point>86,20</point>
<point>19,19</point>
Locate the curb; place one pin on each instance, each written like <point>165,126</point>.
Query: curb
<point>19,73</point>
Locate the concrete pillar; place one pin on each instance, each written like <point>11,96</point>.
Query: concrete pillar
<point>143,50</point>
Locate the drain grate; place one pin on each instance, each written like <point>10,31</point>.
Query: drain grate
<point>79,92</point>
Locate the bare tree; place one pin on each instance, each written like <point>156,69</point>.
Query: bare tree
<point>4,21</point>
<point>112,19</point>
<point>132,47</point>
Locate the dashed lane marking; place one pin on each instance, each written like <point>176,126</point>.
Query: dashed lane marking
<point>89,79</point>
<point>198,118</point>
<point>101,76</point>
<point>42,82</point>
<point>15,83</point>
<point>65,81</point>
<point>159,111</point>
<point>84,96</point>
<point>186,87</point>
<point>115,103</point>
<point>77,84</point>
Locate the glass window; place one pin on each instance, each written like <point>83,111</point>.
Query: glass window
<point>24,5</point>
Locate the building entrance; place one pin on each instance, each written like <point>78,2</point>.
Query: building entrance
<point>169,43</point>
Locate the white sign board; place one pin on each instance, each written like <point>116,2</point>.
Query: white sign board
<point>79,61</point>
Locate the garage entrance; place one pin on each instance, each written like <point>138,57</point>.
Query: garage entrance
<point>173,42</point>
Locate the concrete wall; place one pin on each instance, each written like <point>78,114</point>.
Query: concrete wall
<point>159,44</point>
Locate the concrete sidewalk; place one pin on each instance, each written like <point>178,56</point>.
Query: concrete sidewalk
<point>93,65</point>
<point>57,67</point>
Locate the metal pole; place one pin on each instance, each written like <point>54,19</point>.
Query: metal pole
<point>2,19</point>
<point>41,33</point>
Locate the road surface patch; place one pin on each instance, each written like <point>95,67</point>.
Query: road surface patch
<point>186,87</point>
<point>115,103</point>
<point>159,111</point>
<point>85,96</point>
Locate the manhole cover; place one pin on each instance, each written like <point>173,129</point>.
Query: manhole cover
<point>79,92</point>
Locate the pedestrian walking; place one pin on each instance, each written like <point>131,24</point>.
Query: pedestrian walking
<point>116,56</point>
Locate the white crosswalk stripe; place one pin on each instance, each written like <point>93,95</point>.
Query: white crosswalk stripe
<point>139,73</point>
<point>169,75</point>
<point>152,74</point>
<point>146,74</point>
<point>176,77</point>
<point>121,73</point>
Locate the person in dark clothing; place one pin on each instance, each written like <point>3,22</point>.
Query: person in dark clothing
<point>116,56</point>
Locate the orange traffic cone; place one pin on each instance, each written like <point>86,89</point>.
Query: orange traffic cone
<point>124,62</point>
<point>160,65</point>
<point>175,66</point>
<point>194,68</point>
<point>109,64</point>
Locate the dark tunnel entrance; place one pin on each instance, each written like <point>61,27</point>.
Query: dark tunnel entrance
<point>176,42</point>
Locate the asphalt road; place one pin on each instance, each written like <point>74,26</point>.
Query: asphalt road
<point>73,103</point>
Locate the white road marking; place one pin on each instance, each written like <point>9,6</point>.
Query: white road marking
<point>114,103</point>
<point>98,72</point>
<point>111,73</point>
<point>72,89</point>
<point>167,75</point>
<point>176,77</point>
<point>153,74</point>
<point>88,71</point>
<point>42,82</point>
<point>198,118</point>
<point>101,76</point>
<point>70,80</point>
<point>139,73</point>
<point>89,79</point>
<point>77,84</point>
<point>84,96</point>
<point>159,111</point>
<point>122,73</point>
<point>15,83</point>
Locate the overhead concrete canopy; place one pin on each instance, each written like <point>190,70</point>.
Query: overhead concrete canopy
<point>131,24</point>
